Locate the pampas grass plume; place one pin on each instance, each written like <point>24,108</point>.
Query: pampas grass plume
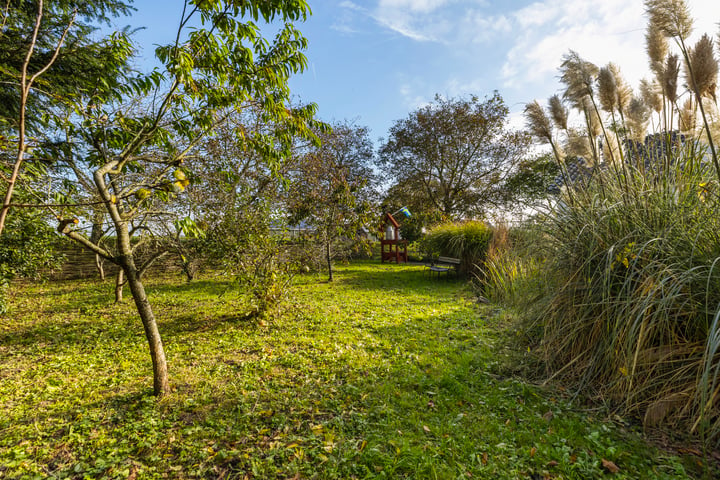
<point>607,89</point>
<point>670,77</point>
<point>624,91</point>
<point>638,114</point>
<point>578,145</point>
<point>688,117</point>
<point>578,76</point>
<point>595,126</point>
<point>671,17</point>
<point>656,47</point>
<point>702,72</point>
<point>558,112</point>
<point>650,93</point>
<point>537,121</point>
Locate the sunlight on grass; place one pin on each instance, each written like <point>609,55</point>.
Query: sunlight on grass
<point>386,373</point>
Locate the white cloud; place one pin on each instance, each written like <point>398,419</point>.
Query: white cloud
<point>452,22</point>
<point>419,6</point>
<point>536,36</point>
<point>350,5</point>
<point>410,92</point>
<point>344,22</point>
<point>597,30</point>
<point>478,27</point>
<point>600,31</point>
<point>532,41</point>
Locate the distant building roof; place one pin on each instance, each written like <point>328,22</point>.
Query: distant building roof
<point>652,154</point>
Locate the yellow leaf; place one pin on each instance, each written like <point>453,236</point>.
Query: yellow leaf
<point>142,193</point>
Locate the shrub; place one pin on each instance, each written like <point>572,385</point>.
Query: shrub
<point>28,249</point>
<point>468,241</point>
<point>243,243</point>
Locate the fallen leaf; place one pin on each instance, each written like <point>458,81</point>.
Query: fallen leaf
<point>533,450</point>
<point>548,415</point>
<point>485,458</point>
<point>610,466</point>
<point>426,428</point>
<point>552,463</point>
<point>690,451</point>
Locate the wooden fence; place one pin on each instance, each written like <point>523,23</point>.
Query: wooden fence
<point>80,263</point>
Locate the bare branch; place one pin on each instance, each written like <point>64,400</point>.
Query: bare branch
<point>148,263</point>
<point>65,228</point>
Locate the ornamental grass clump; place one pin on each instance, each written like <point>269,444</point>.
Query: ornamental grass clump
<point>631,304</point>
<point>512,274</point>
<point>467,241</point>
<point>630,251</point>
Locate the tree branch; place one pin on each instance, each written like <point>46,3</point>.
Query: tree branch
<point>26,85</point>
<point>65,228</point>
<point>148,263</point>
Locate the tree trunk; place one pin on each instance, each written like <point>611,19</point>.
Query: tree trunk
<point>99,264</point>
<point>329,260</point>
<point>161,384</point>
<point>187,268</point>
<point>119,285</point>
<point>96,235</point>
<point>125,260</point>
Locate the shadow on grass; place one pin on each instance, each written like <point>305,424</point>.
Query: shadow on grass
<point>160,286</point>
<point>184,324</point>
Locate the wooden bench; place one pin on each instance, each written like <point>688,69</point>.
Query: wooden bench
<point>443,265</point>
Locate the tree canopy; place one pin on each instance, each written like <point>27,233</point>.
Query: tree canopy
<point>81,59</point>
<point>452,156</point>
<point>122,141</point>
<point>332,187</point>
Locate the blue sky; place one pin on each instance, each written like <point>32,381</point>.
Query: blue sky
<point>375,61</point>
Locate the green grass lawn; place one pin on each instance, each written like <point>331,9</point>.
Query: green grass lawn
<point>385,373</point>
